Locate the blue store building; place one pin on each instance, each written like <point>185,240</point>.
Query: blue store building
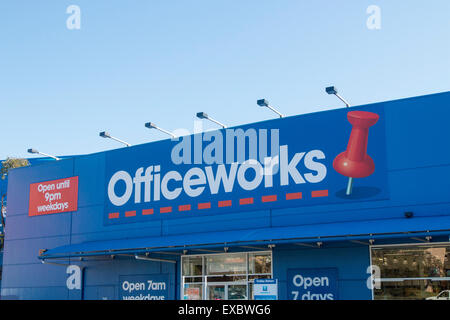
<point>351,203</point>
<point>3,195</point>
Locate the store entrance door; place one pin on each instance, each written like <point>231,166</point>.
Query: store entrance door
<point>227,291</point>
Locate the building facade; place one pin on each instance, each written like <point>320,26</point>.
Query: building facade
<point>350,203</point>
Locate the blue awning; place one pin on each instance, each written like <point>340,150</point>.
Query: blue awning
<point>356,230</point>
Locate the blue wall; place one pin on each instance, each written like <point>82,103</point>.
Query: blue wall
<point>418,162</point>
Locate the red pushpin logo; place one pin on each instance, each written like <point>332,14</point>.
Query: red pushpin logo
<point>354,162</point>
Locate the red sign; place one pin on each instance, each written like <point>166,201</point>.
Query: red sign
<point>54,196</point>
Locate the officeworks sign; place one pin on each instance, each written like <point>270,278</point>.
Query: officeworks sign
<point>286,162</point>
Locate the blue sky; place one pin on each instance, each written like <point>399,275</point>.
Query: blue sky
<point>162,61</point>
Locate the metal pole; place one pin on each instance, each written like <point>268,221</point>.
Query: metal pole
<point>166,132</point>
<point>48,155</point>
<point>278,113</point>
<point>343,100</point>
<point>121,141</point>
<point>217,122</point>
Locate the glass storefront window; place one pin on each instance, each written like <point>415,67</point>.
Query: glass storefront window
<point>237,292</point>
<point>412,262</point>
<point>193,266</point>
<point>226,264</point>
<point>224,276</point>
<point>259,263</point>
<point>412,272</point>
<point>217,292</point>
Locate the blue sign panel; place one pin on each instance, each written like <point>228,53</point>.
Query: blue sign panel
<point>295,161</point>
<point>144,287</point>
<point>265,289</point>
<point>312,284</point>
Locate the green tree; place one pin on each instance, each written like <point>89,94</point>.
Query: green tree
<point>8,164</point>
<point>11,163</point>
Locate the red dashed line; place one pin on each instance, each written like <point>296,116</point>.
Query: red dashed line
<point>224,203</point>
<point>292,196</point>
<point>206,205</point>
<point>269,198</point>
<point>130,214</point>
<point>246,201</point>
<point>113,215</point>
<point>319,193</point>
<point>185,207</point>
<point>146,212</point>
<point>165,209</point>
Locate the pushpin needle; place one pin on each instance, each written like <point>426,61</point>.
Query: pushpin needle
<point>349,186</point>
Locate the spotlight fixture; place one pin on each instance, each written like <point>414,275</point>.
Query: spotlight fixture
<point>105,134</point>
<point>151,125</point>
<point>333,90</point>
<point>265,103</point>
<point>31,150</point>
<point>203,115</point>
